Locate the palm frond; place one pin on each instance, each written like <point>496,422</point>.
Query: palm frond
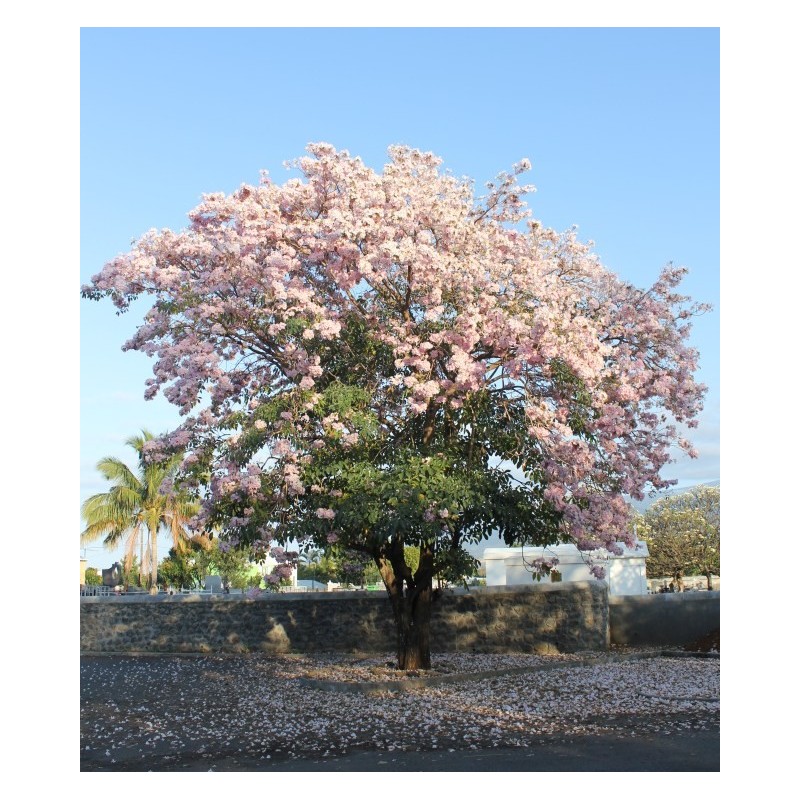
<point>135,504</point>
<point>118,472</point>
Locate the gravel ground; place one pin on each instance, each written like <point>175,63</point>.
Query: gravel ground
<point>254,713</point>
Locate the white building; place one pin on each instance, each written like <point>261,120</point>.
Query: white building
<point>511,566</point>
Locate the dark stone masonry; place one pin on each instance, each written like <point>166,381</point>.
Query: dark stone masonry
<point>522,619</point>
<point>663,619</point>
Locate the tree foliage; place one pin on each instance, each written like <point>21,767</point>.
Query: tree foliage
<point>376,361</point>
<point>188,566</point>
<point>682,532</point>
<point>183,568</point>
<point>92,577</point>
<point>131,571</point>
<point>233,565</point>
<point>317,565</point>
<point>337,565</point>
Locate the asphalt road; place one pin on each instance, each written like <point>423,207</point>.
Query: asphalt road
<point>693,751</point>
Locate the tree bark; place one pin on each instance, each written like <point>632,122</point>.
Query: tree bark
<point>411,597</point>
<point>154,561</point>
<point>141,559</point>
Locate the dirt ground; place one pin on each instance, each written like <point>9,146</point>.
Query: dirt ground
<point>644,711</point>
<point>705,644</point>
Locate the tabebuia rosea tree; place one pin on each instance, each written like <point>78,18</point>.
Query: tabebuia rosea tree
<point>369,361</point>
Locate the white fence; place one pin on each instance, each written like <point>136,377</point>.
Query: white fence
<point>109,591</point>
<point>112,591</point>
<point>97,591</point>
<point>692,583</point>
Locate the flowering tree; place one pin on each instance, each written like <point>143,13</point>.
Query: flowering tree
<point>682,532</point>
<point>381,360</point>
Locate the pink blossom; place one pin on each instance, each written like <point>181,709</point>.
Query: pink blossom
<point>328,329</point>
<point>281,448</point>
<point>598,571</point>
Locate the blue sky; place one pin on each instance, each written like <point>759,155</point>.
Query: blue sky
<point>621,125</point>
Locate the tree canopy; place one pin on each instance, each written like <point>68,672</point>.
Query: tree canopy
<point>187,567</point>
<point>682,532</point>
<point>92,577</point>
<point>387,360</point>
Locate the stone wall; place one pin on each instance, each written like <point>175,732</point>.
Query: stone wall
<point>540,618</point>
<point>663,619</point>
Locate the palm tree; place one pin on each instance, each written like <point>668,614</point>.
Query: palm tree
<point>135,508</point>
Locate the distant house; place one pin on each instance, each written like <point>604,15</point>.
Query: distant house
<point>312,586</point>
<point>512,566</point>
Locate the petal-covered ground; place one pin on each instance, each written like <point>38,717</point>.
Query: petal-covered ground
<point>254,711</point>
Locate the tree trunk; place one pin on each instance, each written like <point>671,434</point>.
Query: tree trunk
<point>411,607</point>
<point>154,560</point>
<point>709,583</point>
<point>414,632</point>
<point>141,559</point>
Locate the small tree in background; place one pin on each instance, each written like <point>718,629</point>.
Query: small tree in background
<point>682,532</point>
<point>317,565</point>
<point>232,564</point>
<point>187,567</point>
<point>92,577</point>
<point>131,572</point>
<point>351,567</point>
<point>183,568</point>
